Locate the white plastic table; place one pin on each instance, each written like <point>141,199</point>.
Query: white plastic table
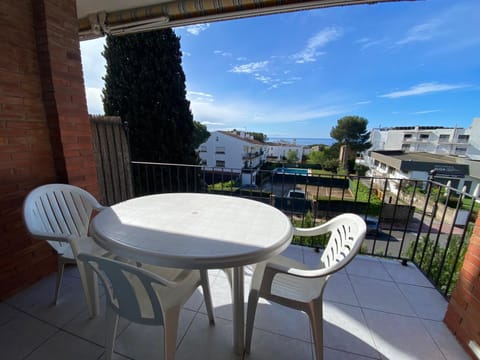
<point>196,231</point>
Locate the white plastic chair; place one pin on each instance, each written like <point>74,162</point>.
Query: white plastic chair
<point>293,284</point>
<point>60,214</point>
<point>145,295</point>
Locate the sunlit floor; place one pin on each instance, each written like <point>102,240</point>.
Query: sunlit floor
<point>375,309</point>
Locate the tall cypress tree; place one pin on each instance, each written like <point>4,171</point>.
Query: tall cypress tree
<point>145,85</point>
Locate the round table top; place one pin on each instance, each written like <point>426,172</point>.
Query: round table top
<point>190,230</point>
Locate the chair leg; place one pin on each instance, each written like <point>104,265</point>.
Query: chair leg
<point>90,288</point>
<point>229,273</point>
<point>207,295</point>
<point>110,332</point>
<point>316,322</point>
<point>60,267</point>
<point>251,310</point>
<point>170,329</point>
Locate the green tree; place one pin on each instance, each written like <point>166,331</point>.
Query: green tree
<point>292,156</point>
<point>316,157</point>
<point>200,134</point>
<point>145,86</point>
<point>351,131</point>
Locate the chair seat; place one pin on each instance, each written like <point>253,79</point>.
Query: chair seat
<point>293,287</point>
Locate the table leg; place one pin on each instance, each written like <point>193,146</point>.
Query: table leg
<point>238,311</point>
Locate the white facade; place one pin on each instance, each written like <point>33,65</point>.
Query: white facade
<point>231,150</point>
<point>279,151</point>
<point>437,140</point>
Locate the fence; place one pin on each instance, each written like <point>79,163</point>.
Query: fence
<point>112,157</point>
<point>407,220</point>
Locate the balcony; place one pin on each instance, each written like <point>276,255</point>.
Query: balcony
<point>374,309</point>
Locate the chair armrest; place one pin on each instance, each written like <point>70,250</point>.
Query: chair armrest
<point>52,237</point>
<point>273,269</point>
<point>312,231</point>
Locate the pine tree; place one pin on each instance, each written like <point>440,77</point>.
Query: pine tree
<point>145,86</point>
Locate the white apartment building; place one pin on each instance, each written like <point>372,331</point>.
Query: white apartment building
<point>430,139</point>
<point>279,151</point>
<point>235,151</point>
<point>412,152</point>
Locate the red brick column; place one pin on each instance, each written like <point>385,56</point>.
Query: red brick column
<point>64,98</point>
<point>463,313</point>
<point>44,127</point>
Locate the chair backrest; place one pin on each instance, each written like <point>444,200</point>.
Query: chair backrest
<point>58,210</point>
<point>130,290</point>
<point>347,232</point>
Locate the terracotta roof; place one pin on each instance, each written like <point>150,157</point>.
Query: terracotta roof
<point>237,136</point>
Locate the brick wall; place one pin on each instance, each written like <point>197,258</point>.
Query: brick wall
<point>463,313</point>
<point>44,127</point>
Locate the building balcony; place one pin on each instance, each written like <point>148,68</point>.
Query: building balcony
<point>373,309</point>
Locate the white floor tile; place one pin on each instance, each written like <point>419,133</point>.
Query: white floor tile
<point>203,341</point>
<point>332,354</point>
<point>65,346</point>
<point>294,252</point>
<point>444,339</point>
<point>426,302</point>
<point>38,300</point>
<point>380,295</point>
<point>7,313</point>
<point>93,329</point>
<point>339,289</point>
<point>406,274</point>
<point>266,345</point>
<point>139,341</point>
<point>345,329</point>
<point>367,267</point>
<point>21,335</point>
<point>282,320</point>
<point>401,337</point>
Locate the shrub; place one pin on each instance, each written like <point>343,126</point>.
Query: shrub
<point>312,241</point>
<point>435,255</point>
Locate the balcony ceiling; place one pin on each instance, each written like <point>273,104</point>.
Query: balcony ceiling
<point>116,17</point>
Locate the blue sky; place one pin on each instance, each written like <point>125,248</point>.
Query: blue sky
<point>296,74</point>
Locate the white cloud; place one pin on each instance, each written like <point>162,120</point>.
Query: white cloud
<point>362,102</point>
<point>196,29</point>
<point>94,100</point>
<point>240,113</point>
<point>222,53</point>
<point>424,88</point>
<point>424,112</point>
<point>320,40</point>
<point>368,42</point>
<point>421,32</point>
<point>250,68</point>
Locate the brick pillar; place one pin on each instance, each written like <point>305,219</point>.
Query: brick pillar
<point>463,313</point>
<point>63,90</point>
<point>44,127</point>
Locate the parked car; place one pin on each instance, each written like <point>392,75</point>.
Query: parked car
<point>372,225</point>
<point>296,193</point>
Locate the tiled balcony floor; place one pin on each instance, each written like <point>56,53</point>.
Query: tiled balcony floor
<point>374,309</point>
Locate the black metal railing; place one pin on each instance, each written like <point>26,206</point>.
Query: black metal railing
<point>427,223</point>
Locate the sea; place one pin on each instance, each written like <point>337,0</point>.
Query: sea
<point>303,141</point>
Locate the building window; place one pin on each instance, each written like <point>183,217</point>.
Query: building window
<point>203,162</point>
<point>407,136</point>
<point>424,137</point>
<point>220,150</point>
<point>460,150</point>
<point>203,148</point>
<point>220,163</point>
<point>463,139</point>
<point>444,138</point>
<point>406,147</point>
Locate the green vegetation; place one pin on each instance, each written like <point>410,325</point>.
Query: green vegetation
<point>230,185</point>
<point>363,194</point>
<point>351,131</point>
<point>433,255</point>
<point>145,86</point>
<point>292,156</point>
<point>312,241</point>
